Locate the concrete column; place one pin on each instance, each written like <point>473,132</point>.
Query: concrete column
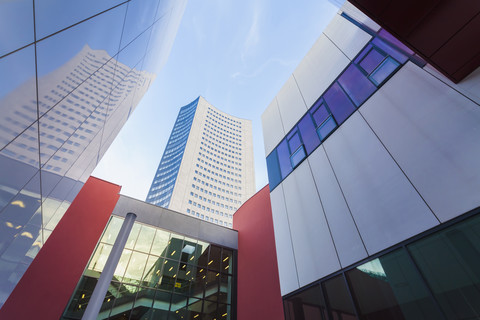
<point>98,295</point>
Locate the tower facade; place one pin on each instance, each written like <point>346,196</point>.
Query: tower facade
<point>206,169</point>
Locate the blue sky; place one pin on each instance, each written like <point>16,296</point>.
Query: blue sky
<point>237,55</point>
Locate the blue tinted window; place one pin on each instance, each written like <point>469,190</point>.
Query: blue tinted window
<point>372,60</point>
<point>356,84</point>
<point>309,136</point>
<point>294,141</point>
<point>284,158</point>
<point>339,103</point>
<point>363,53</point>
<point>384,70</point>
<point>297,156</point>
<point>320,114</point>
<point>327,127</point>
<point>274,175</point>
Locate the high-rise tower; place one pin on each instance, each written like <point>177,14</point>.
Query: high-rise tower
<point>206,169</point>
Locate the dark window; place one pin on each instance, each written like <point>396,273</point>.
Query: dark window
<point>307,305</point>
<point>391,288</point>
<point>450,262</point>
<point>338,300</point>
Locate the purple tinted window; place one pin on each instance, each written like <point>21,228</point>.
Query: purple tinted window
<point>363,53</point>
<point>338,103</point>
<point>390,50</point>
<point>387,36</point>
<point>385,69</point>
<point>356,84</point>
<point>297,157</point>
<point>320,115</point>
<point>309,135</point>
<point>294,142</point>
<point>284,158</point>
<point>327,127</point>
<point>372,60</point>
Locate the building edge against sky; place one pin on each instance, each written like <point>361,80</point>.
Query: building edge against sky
<point>374,181</point>
<point>67,89</point>
<point>206,170</point>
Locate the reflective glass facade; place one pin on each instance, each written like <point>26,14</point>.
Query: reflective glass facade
<point>160,275</point>
<point>162,186</point>
<point>434,277</point>
<point>69,82</point>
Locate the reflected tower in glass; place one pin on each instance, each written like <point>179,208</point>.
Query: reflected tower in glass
<point>207,167</point>
<point>68,84</point>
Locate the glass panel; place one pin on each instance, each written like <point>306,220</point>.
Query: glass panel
<point>143,304</point>
<point>66,13</point>
<point>309,136</point>
<point>307,305</point>
<point>122,265</point>
<point>391,288</point>
<point>387,36</point>
<point>339,103</point>
<point>16,25</point>
<point>161,304</point>
<point>203,249</point>
<point>224,312</point>
<point>298,156</point>
<point>99,259</point>
<point>112,230</point>
<point>198,284</point>
<point>384,71</point>
<point>175,247</point>
<point>132,237</point>
<point>109,299</point>
<point>320,115</point>
<point>215,260</point>
<point>227,261</point>
<point>135,268</point>
<point>294,141</point>
<point>225,293</point>
<point>284,158</point>
<point>18,101</point>
<point>178,307</point>
<point>356,85</point>
<point>363,53</point>
<point>124,299</point>
<point>450,262</point>
<point>194,307</point>
<point>210,310</point>
<point>372,60</point>
<point>133,25</point>
<point>153,271</point>
<point>212,285</point>
<point>328,126</point>
<point>274,175</point>
<point>160,243</point>
<point>81,297</point>
<point>145,239</point>
<point>338,299</point>
<point>169,274</point>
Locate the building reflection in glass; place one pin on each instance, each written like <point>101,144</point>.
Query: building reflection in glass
<point>68,84</point>
<point>160,275</point>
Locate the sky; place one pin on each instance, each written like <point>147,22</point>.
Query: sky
<point>237,55</point>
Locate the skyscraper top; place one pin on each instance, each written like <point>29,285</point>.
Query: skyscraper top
<point>207,167</point>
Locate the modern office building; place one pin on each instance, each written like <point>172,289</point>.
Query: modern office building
<point>374,181</point>
<point>170,266</point>
<point>206,170</point>
<point>71,74</point>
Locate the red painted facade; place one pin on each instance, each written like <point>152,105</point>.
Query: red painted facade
<point>443,32</point>
<point>258,289</point>
<point>48,283</point>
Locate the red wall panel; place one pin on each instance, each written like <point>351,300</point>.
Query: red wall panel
<point>258,290</point>
<point>48,283</point>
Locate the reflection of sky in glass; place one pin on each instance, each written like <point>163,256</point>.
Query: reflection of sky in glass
<point>374,268</point>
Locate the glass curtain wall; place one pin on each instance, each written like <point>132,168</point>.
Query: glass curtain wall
<point>436,277</point>
<point>160,275</point>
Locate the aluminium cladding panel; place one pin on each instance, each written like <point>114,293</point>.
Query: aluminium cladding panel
<point>433,132</point>
<point>176,222</point>
<point>345,234</point>
<point>347,37</point>
<point>287,269</point>
<point>314,250</point>
<point>290,103</point>
<point>316,72</point>
<point>273,131</point>
<point>384,204</point>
